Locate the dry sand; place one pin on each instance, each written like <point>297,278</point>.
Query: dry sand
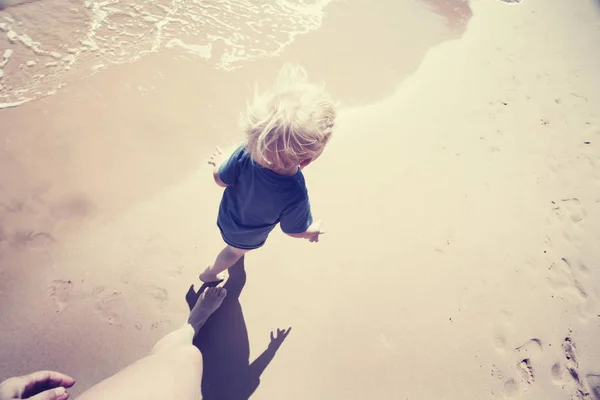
<point>462,211</point>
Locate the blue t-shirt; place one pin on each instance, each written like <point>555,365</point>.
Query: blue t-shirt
<point>257,199</point>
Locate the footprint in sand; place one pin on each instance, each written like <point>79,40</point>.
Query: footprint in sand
<point>32,240</point>
<point>570,360</point>
<point>572,209</point>
<point>522,375</point>
<point>500,344</point>
<point>110,308</point>
<point>159,294</point>
<point>565,278</point>
<point>526,351</point>
<point>97,290</point>
<point>526,371</point>
<point>566,373</point>
<point>176,272</point>
<point>60,293</point>
<point>511,387</point>
<point>570,215</point>
<point>557,374</point>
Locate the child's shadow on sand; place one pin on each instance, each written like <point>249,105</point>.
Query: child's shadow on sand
<point>223,341</point>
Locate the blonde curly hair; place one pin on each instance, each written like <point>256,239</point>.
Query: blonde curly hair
<point>291,123</point>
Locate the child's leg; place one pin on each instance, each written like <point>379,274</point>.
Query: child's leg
<point>226,258</point>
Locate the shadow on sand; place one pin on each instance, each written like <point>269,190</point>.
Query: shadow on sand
<point>223,341</point>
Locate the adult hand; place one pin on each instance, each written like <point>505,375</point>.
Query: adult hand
<point>41,385</point>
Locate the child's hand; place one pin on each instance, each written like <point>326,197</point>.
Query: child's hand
<point>277,340</point>
<point>216,159</point>
<point>314,231</point>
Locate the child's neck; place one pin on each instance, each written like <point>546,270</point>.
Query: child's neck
<point>288,171</point>
<point>291,171</point>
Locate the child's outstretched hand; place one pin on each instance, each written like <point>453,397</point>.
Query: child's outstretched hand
<point>277,340</point>
<point>314,231</point>
<point>216,159</point>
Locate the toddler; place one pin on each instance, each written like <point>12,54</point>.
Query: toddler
<point>287,128</point>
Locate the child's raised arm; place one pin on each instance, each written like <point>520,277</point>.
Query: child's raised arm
<point>226,170</point>
<point>216,159</point>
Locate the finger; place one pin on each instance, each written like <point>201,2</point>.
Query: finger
<point>219,150</point>
<point>53,394</point>
<point>211,162</point>
<point>272,337</point>
<point>287,332</point>
<point>51,379</point>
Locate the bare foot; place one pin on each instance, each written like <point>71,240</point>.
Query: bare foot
<point>207,304</point>
<point>208,276</point>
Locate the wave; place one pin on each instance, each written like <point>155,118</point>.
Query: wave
<point>52,43</point>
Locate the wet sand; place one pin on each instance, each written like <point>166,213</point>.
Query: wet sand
<point>461,250</point>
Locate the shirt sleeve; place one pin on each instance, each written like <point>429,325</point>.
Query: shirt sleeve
<point>229,171</point>
<point>297,218</point>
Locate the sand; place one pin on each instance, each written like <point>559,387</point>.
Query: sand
<point>461,204</point>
